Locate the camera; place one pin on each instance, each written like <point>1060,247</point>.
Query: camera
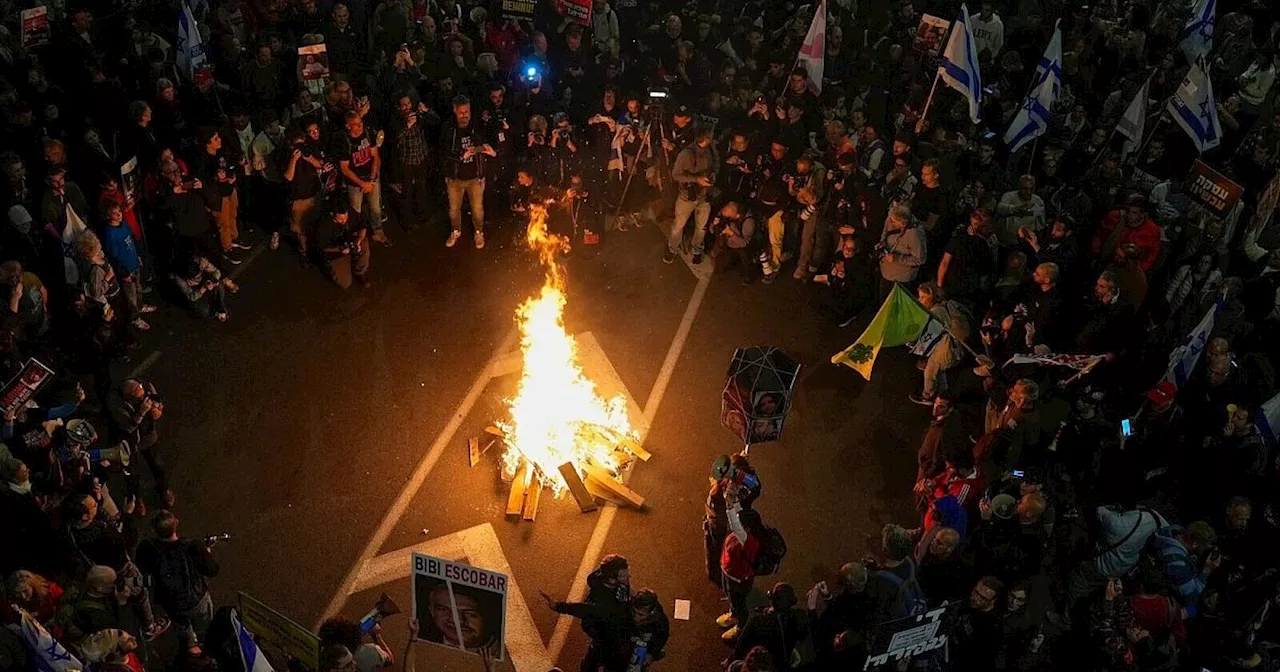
<point>212,539</point>
<point>530,74</point>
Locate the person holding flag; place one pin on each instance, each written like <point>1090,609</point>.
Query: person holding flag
<point>1193,109</point>
<point>1033,119</point>
<point>959,69</point>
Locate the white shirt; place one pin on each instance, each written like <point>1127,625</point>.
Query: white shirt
<point>987,35</point>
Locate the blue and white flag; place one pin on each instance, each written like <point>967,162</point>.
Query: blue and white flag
<point>1183,359</point>
<point>47,654</point>
<point>1197,35</point>
<point>959,66</point>
<point>190,47</point>
<point>1033,119</point>
<point>1193,108</point>
<point>930,337</point>
<point>253,659</point>
<point>1134,122</point>
<point>1267,420</point>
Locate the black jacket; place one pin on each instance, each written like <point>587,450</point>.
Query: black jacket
<point>196,563</point>
<point>606,618</point>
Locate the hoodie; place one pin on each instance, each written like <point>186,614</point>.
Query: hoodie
<point>606,618</point>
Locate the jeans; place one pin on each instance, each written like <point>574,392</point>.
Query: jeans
<point>193,625</point>
<point>701,211</point>
<point>474,191</point>
<point>413,196</point>
<point>342,268</point>
<point>777,228</point>
<point>358,197</point>
<point>935,372</point>
<point>737,592</point>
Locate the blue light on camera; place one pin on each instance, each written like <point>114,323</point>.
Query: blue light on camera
<point>531,72</point>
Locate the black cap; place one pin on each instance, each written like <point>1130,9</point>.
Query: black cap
<point>684,111</point>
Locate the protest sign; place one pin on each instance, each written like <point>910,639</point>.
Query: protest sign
<point>280,630</point>
<point>903,638</point>
<point>130,179</point>
<point>579,11</point>
<point>459,606</point>
<point>313,61</point>
<point>23,387</point>
<point>757,393</point>
<point>35,27</point>
<point>519,9</point>
<point>930,34</point>
<point>1213,190</point>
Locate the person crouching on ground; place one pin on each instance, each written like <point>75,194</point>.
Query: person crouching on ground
<point>343,238</point>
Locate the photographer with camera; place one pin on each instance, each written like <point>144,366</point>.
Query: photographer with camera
<point>409,165</point>
<point>303,175</point>
<point>177,570</point>
<point>901,250</point>
<point>135,407</point>
<point>563,150</point>
<point>693,173</point>
<point>343,243</point>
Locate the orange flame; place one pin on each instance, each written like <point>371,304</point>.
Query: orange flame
<point>556,415</point>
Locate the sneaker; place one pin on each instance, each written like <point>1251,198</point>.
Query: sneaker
<point>636,220</point>
<point>621,224</point>
<point>921,364</point>
<point>726,620</point>
<point>730,635</point>
<point>800,274</point>
<point>147,308</point>
<point>230,258</point>
<point>380,237</point>
<point>275,241</point>
<point>453,238</point>
<point>241,246</point>
<point>697,258</point>
<point>221,317</point>
<point>157,627</point>
<point>479,240</point>
<point>669,257</point>
<point>140,324</point>
<point>920,399</point>
<point>768,279</point>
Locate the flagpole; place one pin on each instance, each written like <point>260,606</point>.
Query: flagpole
<point>945,327</point>
<point>1159,122</point>
<point>1034,144</point>
<point>924,114</point>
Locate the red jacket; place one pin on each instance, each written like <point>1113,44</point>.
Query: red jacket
<point>737,559</point>
<point>1146,237</point>
<point>966,489</point>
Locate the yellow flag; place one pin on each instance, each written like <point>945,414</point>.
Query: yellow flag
<point>899,321</point>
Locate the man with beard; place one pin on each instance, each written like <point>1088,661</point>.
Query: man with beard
<point>605,615</point>
<point>1105,326</point>
<point>465,146</point>
<point>693,173</point>
<point>977,629</point>
<point>465,616</point>
<point>409,160</point>
<point>497,118</point>
<point>737,170</point>
<point>1059,247</point>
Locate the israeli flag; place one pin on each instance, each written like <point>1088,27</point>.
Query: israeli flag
<point>47,654</point>
<point>1197,35</point>
<point>1267,419</point>
<point>959,66</point>
<point>252,658</point>
<point>1183,359</point>
<point>1193,108</point>
<point>929,339</point>
<point>1033,119</point>
<point>190,47</point>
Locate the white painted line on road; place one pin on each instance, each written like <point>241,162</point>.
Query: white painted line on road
<point>419,475</point>
<point>145,364</point>
<point>600,534</point>
<point>248,261</point>
<point>477,546</point>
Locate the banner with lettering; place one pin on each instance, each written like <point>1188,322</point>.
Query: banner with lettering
<point>1213,190</point>
<point>579,11</point>
<point>459,606</point>
<point>519,9</point>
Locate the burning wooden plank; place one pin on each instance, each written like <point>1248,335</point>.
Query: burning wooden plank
<point>494,431</point>
<point>475,452</point>
<point>603,493</point>
<point>519,488</point>
<point>532,495</point>
<point>604,479</point>
<point>577,488</point>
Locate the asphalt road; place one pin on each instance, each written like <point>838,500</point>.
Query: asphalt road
<point>297,425</point>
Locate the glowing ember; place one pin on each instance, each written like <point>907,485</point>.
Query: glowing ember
<point>557,416</point>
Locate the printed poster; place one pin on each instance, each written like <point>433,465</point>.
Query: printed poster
<point>459,606</point>
<point>35,27</point>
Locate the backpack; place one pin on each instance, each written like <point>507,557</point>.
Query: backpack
<point>908,597</point>
<point>772,549</point>
<point>177,583</point>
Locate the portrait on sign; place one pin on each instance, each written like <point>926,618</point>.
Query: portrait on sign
<point>459,606</point>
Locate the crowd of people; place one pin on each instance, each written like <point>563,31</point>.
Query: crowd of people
<point>1110,518</point>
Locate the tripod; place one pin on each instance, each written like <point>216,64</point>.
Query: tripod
<point>644,142</point>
